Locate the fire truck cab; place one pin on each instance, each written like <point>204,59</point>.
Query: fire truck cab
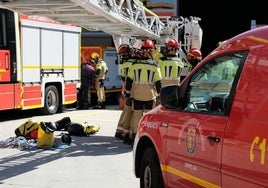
<point>211,129</point>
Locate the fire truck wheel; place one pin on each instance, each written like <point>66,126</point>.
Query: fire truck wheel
<point>150,173</point>
<point>51,104</point>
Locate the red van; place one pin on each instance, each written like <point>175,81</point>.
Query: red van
<point>212,129</point>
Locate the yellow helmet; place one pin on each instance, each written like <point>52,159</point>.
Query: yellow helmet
<point>95,55</point>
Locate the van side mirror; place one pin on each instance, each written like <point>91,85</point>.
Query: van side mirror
<point>169,96</point>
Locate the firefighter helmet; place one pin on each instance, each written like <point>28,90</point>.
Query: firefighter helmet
<point>123,49</point>
<point>195,53</point>
<point>148,44</point>
<point>95,55</point>
<point>172,43</point>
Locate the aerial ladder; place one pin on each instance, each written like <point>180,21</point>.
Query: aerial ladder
<point>124,20</point>
<point>120,19</point>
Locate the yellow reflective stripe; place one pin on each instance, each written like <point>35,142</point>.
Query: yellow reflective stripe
<point>145,72</point>
<point>3,70</point>
<point>150,76</point>
<point>137,73</point>
<point>188,177</point>
<point>124,68</point>
<point>168,78</point>
<point>171,68</point>
<point>143,83</point>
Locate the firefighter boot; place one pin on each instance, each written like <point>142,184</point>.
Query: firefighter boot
<point>118,135</point>
<point>131,138</point>
<point>103,105</point>
<point>79,105</point>
<point>98,106</point>
<point>85,105</point>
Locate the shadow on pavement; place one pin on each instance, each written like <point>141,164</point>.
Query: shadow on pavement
<point>25,161</point>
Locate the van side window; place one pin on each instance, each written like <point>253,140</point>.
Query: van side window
<point>211,85</point>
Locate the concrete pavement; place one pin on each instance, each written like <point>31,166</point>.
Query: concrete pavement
<point>97,161</point>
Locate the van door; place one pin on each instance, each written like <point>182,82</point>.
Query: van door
<point>245,150</point>
<point>196,132</point>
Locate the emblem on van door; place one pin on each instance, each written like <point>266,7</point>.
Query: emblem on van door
<point>190,140</point>
<point>189,134</point>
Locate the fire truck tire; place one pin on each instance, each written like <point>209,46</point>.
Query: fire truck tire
<point>51,104</point>
<point>151,176</point>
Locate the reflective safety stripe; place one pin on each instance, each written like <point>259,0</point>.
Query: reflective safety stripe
<point>138,79</point>
<point>168,71</point>
<point>188,177</point>
<point>143,83</point>
<point>144,73</point>
<point>168,78</point>
<point>124,68</point>
<point>171,68</point>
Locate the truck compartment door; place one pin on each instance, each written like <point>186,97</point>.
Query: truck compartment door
<point>10,96</point>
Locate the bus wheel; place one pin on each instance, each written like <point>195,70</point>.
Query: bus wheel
<point>51,104</point>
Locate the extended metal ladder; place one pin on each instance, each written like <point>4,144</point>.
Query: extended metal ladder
<point>118,18</point>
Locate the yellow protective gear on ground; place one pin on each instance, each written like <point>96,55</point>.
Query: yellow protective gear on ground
<point>90,128</point>
<point>25,128</point>
<point>45,140</point>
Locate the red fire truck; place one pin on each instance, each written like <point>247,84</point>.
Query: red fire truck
<point>39,62</point>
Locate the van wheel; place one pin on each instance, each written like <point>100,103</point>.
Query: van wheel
<point>51,104</point>
<point>151,175</point>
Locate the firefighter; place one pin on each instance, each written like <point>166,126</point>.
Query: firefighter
<point>144,82</point>
<point>170,65</point>
<point>124,122</point>
<point>87,80</point>
<point>100,73</point>
<point>194,56</point>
